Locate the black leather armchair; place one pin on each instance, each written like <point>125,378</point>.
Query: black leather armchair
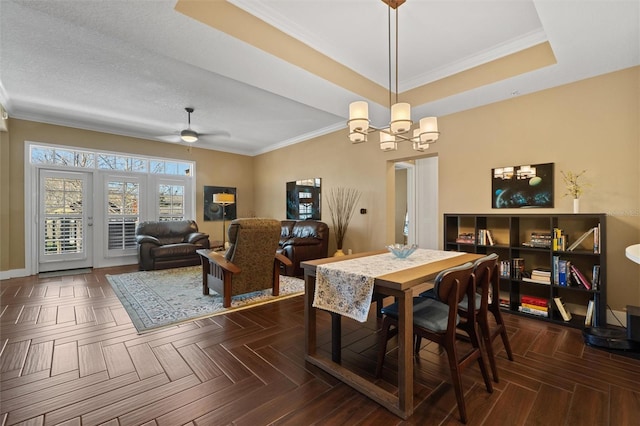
<point>302,240</point>
<point>169,244</point>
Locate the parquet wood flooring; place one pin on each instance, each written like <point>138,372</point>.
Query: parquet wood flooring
<point>69,355</point>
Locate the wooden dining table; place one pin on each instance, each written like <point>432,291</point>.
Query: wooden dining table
<point>399,284</point>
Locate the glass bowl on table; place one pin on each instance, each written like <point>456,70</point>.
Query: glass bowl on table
<point>402,251</point>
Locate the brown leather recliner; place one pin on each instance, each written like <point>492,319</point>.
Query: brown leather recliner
<point>302,240</point>
<point>251,262</point>
<point>169,244</point>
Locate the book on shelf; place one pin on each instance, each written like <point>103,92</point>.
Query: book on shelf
<point>588,319</point>
<point>595,282</point>
<point>517,268</point>
<point>485,237</point>
<point>559,241</point>
<point>563,273</point>
<point>581,279</point>
<point>537,280</point>
<point>581,239</point>
<point>596,239</point>
<point>566,315</point>
<point>505,268</point>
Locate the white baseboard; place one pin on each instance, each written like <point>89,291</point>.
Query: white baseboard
<point>13,273</point>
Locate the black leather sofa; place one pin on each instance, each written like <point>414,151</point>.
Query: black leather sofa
<point>302,240</point>
<point>169,244</point>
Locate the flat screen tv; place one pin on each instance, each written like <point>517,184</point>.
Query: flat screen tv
<point>524,186</point>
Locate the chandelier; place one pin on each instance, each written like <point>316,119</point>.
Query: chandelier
<point>400,124</point>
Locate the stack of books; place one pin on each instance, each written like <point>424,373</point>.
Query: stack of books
<point>538,306</point>
<point>504,300</point>
<point>466,238</point>
<point>540,276</point>
<point>539,240</point>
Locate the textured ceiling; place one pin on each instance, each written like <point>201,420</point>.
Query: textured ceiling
<point>272,73</point>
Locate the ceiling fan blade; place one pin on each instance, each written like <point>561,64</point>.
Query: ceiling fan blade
<point>169,138</point>
<point>219,133</point>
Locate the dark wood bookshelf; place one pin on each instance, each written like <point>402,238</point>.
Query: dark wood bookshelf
<point>510,231</point>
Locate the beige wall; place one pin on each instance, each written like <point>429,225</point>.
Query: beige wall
<point>592,125</point>
<point>212,168</point>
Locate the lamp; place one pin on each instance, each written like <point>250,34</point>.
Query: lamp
<point>400,123</point>
<point>224,200</point>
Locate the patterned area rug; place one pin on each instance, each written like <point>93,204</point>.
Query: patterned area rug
<point>155,299</point>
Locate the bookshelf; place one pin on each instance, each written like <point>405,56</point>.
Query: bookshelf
<point>545,245</point>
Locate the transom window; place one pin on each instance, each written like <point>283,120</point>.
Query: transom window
<point>79,158</point>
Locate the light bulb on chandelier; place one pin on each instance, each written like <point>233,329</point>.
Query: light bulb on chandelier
<point>400,123</point>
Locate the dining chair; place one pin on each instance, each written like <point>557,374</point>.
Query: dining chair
<point>438,320</point>
<point>486,300</point>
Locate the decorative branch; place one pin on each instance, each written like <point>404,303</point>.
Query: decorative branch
<point>342,203</point>
<point>574,188</point>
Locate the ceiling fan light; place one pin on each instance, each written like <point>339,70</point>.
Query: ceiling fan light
<point>400,118</point>
<point>188,135</point>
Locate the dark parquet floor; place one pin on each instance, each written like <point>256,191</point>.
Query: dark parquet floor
<point>70,356</point>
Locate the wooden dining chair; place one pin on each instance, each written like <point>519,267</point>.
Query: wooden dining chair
<point>487,300</point>
<point>437,319</point>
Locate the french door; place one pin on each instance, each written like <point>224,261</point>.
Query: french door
<point>65,220</point>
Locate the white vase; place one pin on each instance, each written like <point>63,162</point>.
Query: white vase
<point>576,205</point>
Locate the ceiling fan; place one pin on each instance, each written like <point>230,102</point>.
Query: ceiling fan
<point>189,135</point>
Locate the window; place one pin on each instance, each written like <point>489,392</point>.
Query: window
<point>62,157</point>
<point>132,188</point>
<point>122,163</point>
<point>170,202</point>
<point>123,199</point>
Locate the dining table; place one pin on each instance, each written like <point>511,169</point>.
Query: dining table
<point>397,279</point>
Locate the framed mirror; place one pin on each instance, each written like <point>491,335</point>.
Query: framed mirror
<point>304,199</point>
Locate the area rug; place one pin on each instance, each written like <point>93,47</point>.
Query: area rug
<point>155,299</point>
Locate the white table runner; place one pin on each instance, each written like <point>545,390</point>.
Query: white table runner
<point>346,287</point>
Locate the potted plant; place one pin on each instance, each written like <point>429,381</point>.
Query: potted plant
<point>342,204</point>
<point>574,188</point>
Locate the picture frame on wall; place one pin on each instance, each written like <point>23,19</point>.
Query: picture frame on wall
<point>526,186</point>
<point>304,199</point>
<point>213,212</point>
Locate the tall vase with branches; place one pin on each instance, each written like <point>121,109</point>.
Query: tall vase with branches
<point>342,203</point>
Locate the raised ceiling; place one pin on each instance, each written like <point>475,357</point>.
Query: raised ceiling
<point>273,73</point>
